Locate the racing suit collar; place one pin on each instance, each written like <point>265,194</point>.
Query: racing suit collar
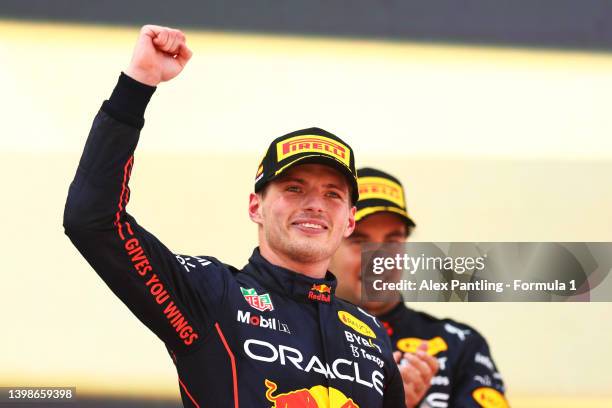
<point>290,283</point>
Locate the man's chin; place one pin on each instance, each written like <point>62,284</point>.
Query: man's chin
<point>308,251</point>
<point>311,243</point>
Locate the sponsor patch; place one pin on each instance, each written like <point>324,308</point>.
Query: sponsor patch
<point>339,369</point>
<point>320,293</point>
<point>259,302</point>
<point>411,345</point>
<point>489,398</point>
<point>355,324</point>
<point>270,323</point>
<point>317,396</point>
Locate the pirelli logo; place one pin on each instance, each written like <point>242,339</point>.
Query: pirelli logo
<point>381,188</point>
<point>313,144</point>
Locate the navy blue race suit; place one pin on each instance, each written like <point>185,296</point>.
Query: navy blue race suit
<point>467,376</point>
<point>262,336</point>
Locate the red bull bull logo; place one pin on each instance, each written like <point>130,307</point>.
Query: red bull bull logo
<point>322,288</point>
<point>314,397</point>
<point>321,293</point>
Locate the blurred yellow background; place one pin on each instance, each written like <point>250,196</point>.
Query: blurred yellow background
<point>492,145</point>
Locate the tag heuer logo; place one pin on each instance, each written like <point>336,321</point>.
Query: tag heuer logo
<point>259,302</point>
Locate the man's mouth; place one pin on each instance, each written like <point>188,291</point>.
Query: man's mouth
<point>311,226</point>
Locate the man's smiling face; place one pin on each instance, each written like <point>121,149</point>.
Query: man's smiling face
<point>305,213</point>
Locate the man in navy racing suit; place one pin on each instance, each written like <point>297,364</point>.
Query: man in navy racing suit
<point>467,375</point>
<point>272,334</point>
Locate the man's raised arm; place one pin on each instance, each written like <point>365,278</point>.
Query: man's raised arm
<point>138,268</point>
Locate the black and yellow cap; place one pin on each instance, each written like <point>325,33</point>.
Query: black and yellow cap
<point>380,192</point>
<point>312,145</point>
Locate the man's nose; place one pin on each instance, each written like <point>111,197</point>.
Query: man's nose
<point>313,201</point>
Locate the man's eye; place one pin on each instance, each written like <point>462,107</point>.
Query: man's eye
<point>333,194</point>
<point>293,189</point>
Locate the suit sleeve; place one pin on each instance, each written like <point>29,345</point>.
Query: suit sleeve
<point>394,392</point>
<point>479,383</point>
<point>176,303</point>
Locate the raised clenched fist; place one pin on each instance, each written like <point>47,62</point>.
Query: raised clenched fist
<point>160,54</point>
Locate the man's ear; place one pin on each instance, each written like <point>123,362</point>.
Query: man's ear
<point>350,227</point>
<point>255,208</point>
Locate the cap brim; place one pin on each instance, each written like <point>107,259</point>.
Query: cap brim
<point>369,210</point>
<point>328,161</point>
